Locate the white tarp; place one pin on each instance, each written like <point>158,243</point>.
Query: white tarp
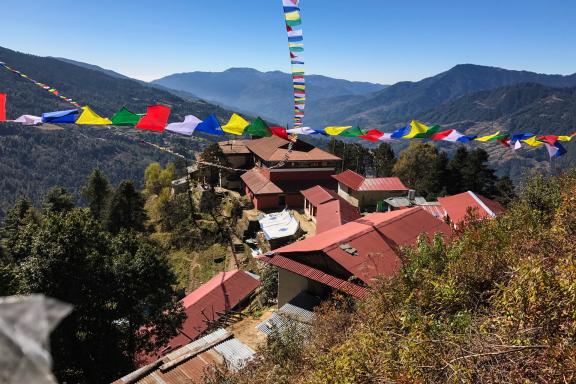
<point>279,224</point>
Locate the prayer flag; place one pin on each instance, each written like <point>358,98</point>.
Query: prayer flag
<point>125,118</point>
<point>2,107</point>
<point>186,127</point>
<point>372,135</point>
<point>258,128</point>
<point>452,135</point>
<point>280,132</point>
<point>290,3</point>
<point>555,150</point>
<point>155,119</point>
<point>294,33</point>
<point>418,129</point>
<point>236,125</point>
<point>533,142</point>
<point>28,120</point>
<point>89,117</point>
<point>400,132</point>
<point>66,117</point>
<point>305,131</point>
<point>210,125</point>
<point>493,137</point>
<point>352,132</point>
<point>336,130</point>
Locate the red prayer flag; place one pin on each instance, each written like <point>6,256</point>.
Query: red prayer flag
<point>280,132</point>
<point>550,139</point>
<point>155,119</point>
<point>2,107</point>
<point>372,135</point>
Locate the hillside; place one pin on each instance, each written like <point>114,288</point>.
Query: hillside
<point>33,160</point>
<point>267,94</point>
<point>407,100</point>
<point>518,108</point>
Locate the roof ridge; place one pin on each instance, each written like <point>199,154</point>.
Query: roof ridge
<point>481,203</point>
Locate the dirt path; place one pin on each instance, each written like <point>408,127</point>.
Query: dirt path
<point>245,330</point>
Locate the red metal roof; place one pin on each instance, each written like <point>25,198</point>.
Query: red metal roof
<point>220,294</point>
<point>375,238</point>
<point>275,148</point>
<point>318,195</point>
<point>456,206</point>
<point>334,213</point>
<point>358,182</point>
<point>435,210</point>
<point>258,183</point>
<point>314,274</point>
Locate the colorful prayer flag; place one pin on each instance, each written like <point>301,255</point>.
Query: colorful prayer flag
<point>2,107</point>
<point>352,132</point>
<point>258,128</point>
<point>555,150</point>
<point>155,119</point>
<point>493,137</point>
<point>280,132</point>
<point>68,116</point>
<point>400,132</point>
<point>235,125</point>
<point>186,127</point>
<point>28,120</point>
<point>452,135</point>
<point>210,125</point>
<point>125,118</point>
<point>89,117</point>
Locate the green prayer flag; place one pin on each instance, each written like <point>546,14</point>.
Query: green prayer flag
<point>426,135</point>
<point>258,128</point>
<point>352,132</point>
<point>126,118</point>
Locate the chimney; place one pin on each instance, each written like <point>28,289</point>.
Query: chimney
<point>411,195</point>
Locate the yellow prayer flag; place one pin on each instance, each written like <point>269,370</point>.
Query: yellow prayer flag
<point>300,87</point>
<point>533,142</point>
<point>336,130</point>
<point>236,125</point>
<point>416,128</point>
<point>292,16</point>
<point>488,137</point>
<point>564,138</point>
<point>89,117</point>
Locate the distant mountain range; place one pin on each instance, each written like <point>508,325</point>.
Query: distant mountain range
<point>406,100</point>
<point>267,94</point>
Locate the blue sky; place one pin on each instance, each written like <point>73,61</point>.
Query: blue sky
<point>370,40</point>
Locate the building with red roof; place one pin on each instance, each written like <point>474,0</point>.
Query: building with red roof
<point>224,292</point>
<point>349,257</point>
<point>326,209</point>
<point>280,173</point>
<point>365,193</point>
<point>457,207</point>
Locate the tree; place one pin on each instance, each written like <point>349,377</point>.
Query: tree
<point>210,174</point>
<point>117,285</point>
<point>505,191</point>
<point>19,226</point>
<point>469,171</point>
<point>419,166</point>
<point>58,199</point>
<point>96,192</point>
<point>126,209</point>
<point>384,160</point>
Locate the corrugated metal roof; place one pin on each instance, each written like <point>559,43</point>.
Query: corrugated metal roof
<point>220,294</point>
<point>275,148</point>
<point>335,213</point>
<point>232,352</point>
<point>258,183</point>
<point>297,312</point>
<point>456,206</point>
<point>315,274</point>
<point>358,182</point>
<point>435,210</point>
<point>375,237</point>
<point>318,195</point>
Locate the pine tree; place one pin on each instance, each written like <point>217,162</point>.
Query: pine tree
<point>420,167</point>
<point>126,209</point>
<point>384,160</point>
<point>58,199</point>
<point>96,192</point>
